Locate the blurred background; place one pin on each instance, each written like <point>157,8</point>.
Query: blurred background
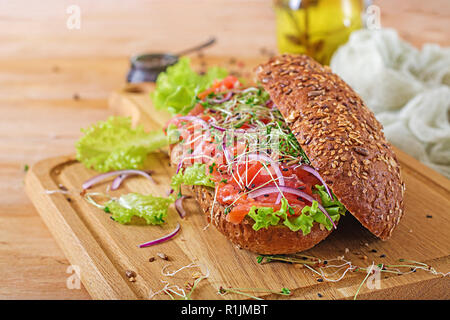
<point>57,72</point>
<point>37,29</point>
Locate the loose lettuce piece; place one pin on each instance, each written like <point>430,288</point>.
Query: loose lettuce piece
<point>334,208</point>
<point>192,176</point>
<point>265,216</point>
<point>115,145</point>
<point>177,88</point>
<point>152,209</point>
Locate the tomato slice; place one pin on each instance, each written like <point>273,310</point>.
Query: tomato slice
<point>228,83</point>
<point>197,110</point>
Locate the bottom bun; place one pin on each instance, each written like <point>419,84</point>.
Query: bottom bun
<point>273,240</point>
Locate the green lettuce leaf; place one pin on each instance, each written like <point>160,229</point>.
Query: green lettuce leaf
<point>115,145</point>
<point>334,208</point>
<point>177,87</point>
<point>266,216</point>
<point>192,176</point>
<point>152,209</point>
<point>173,134</point>
<point>304,221</point>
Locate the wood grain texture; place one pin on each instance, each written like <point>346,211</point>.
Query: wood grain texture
<point>113,246</point>
<point>117,28</point>
<point>104,250</point>
<point>44,67</point>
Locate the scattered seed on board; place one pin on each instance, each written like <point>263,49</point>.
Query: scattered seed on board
<point>162,256</point>
<point>131,275</point>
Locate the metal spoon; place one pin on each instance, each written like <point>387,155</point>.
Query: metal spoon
<point>147,67</point>
<point>208,43</point>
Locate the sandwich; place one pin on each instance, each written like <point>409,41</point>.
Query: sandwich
<point>276,163</point>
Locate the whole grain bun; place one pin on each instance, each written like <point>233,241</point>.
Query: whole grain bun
<point>273,240</point>
<point>341,137</point>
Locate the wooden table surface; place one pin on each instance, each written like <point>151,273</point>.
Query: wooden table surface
<point>53,81</point>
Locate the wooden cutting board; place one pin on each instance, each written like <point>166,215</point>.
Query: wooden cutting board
<point>104,250</point>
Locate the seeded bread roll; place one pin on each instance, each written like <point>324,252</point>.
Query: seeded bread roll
<point>341,137</point>
<point>273,240</point>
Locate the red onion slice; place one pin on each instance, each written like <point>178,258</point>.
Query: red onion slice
<point>179,206</point>
<point>268,190</point>
<point>218,128</point>
<point>119,179</point>
<point>225,98</point>
<point>315,173</point>
<point>162,239</point>
<point>180,164</point>
<point>99,178</point>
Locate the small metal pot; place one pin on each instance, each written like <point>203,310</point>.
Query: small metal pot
<point>147,67</point>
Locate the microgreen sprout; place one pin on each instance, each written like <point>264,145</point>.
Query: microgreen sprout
<point>245,292</point>
<point>340,267</point>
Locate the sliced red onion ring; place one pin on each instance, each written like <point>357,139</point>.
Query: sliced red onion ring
<point>180,164</point>
<point>250,89</point>
<point>162,239</point>
<point>218,128</point>
<point>315,173</point>
<point>268,190</point>
<point>99,178</point>
<point>119,179</point>
<point>179,206</point>
<point>225,98</point>
<point>273,164</point>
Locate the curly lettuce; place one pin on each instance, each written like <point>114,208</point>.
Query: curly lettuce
<point>192,176</point>
<point>114,145</point>
<point>177,87</point>
<point>334,208</point>
<point>266,216</point>
<point>152,209</point>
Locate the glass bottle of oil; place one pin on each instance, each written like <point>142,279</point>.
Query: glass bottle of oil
<point>316,27</point>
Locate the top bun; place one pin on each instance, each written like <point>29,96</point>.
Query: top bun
<point>341,137</point>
